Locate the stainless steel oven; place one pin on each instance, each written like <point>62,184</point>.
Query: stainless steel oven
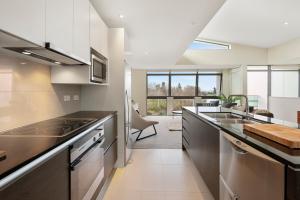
<point>99,67</point>
<point>87,165</point>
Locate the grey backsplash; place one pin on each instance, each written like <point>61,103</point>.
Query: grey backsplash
<point>27,95</point>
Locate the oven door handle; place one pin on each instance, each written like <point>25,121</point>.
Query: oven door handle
<point>84,155</point>
<point>102,142</point>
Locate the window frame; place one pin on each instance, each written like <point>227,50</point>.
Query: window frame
<point>197,74</point>
<point>157,97</point>
<point>208,74</point>
<point>227,46</point>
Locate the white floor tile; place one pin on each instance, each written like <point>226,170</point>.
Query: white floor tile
<point>157,174</point>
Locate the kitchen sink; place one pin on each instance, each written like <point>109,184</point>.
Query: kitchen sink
<point>236,121</point>
<point>229,118</point>
<point>223,116</point>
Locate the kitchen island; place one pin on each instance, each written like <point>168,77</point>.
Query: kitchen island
<point>203,131</point>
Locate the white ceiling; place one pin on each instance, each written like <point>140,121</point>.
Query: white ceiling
<point>255,22</point>
<point>159,31</point>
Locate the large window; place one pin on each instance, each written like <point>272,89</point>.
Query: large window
<point>179,103</point>
<point>285,81</point>
<point>158,85</point>
<point>209,85</point>
<point>156,106</point>
<point>257,86</point>
<point>182,86</point>
<point>275,81</point>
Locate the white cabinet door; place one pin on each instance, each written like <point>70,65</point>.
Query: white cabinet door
<point>98,32</point>
<point>25,19</point>
<point>94,29</point>
<point>59,24</point>
<point>81,33</point>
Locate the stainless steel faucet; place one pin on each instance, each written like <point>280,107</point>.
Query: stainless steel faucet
<point>247,101</point>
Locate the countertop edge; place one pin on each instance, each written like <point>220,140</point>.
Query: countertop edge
<point>280,159</point>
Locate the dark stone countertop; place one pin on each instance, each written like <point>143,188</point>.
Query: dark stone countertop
<point>279,152</point>
<point>22,150</point>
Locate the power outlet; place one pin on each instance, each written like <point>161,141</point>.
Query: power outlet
<point>75,97</point>
<point>67,98</point>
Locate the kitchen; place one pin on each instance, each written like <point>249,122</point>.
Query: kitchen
<point>70,70</point>
<point>48,130</point>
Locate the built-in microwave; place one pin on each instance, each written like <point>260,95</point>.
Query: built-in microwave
<point>99,67</point>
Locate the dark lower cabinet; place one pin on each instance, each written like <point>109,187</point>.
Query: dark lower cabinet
<point>292,184</point>
<point>51,180</point>
<point>111,150</point>
<point>110,145</point>
<point>201,140</point>
<point>47,182</point>
<point>110,132</point>
<point>110,158</point>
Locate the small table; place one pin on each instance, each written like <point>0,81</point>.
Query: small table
<point>174,126</point>
<point>177,112</point>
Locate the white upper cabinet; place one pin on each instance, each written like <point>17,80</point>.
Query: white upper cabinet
<point>81,33</point>
<point>98,33</point>
<point>25,19</point>
<point>59,24</point>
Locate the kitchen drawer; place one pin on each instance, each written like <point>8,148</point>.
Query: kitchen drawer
<point>186,135</point>
<point>187,117</point>
<point>110,158</point>
<point>110,132</point>
<point>185,143</point>
<point>48,181</point>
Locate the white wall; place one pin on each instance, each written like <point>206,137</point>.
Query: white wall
<point>287,53</point>
<point>139,89</point>
<point>111,97</point>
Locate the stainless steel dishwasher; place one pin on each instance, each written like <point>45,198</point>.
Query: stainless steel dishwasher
<point>248,174</point>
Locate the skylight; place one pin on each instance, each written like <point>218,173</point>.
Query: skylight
<point>205,45</point>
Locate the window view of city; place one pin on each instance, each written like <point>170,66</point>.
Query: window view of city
<point>183,88</point>
<point>183,85</point>
<point>158,85</point>
<point>209,85</point>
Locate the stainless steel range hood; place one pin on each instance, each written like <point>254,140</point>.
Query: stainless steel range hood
<point>46,53</point>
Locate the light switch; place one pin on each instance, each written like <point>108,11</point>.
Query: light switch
<point>67,98</point>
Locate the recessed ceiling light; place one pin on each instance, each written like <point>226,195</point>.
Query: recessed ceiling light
<point>26,53</point>
<point>285,23</point>
<point>23,63</point>
<point>121,16</point>
<point>57,62</point>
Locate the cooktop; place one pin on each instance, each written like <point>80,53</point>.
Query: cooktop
<point>58,127</point>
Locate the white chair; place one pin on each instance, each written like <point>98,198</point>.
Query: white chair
<point>139,123</point>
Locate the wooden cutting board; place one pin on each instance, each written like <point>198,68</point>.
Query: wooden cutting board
<point>284,135</point>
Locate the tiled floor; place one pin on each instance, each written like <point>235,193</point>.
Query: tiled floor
<point>157,174</point>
